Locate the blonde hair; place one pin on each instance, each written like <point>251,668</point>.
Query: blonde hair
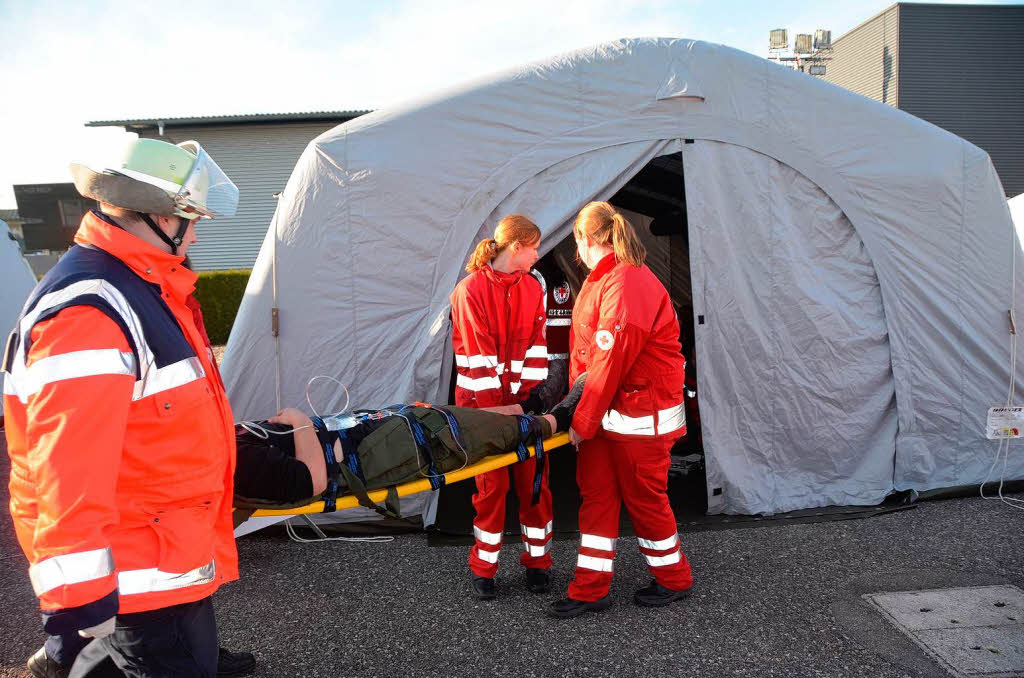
<point>606,226</point>
<point>513,228</point>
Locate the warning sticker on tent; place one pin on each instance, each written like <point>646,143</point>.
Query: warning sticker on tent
<point>1005,422</point>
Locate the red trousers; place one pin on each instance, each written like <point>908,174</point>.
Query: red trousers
<point>610,472</point>
<point>489,524</point>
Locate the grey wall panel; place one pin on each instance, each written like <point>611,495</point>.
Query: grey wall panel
<point>865,59</point>
<point>259,159</point>
<point>962,68</point>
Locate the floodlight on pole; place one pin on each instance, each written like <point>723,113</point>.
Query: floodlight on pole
<point>802,44</point>
<point>822,39</point>
<point>778,38</point>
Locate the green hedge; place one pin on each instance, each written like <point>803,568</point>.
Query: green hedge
<point>220,294</point>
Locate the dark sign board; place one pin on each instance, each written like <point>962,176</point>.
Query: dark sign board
<point>51,214</point>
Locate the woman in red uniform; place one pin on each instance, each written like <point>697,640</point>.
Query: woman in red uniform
<point>500,356</point>
<point>625,335</point>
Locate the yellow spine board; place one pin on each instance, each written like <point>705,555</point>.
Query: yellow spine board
<point>423,484</point>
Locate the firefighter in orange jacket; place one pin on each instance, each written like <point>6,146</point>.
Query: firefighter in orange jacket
<point>625,335</point>
<point>500,356</point>
<point>119,430</point>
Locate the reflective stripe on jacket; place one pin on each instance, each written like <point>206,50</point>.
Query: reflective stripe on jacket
<point>625,335</point>
<point>120,434</point>
<point>498,337</point>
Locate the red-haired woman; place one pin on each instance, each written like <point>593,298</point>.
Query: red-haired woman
<point>500,356</point>
<point>625,336</point>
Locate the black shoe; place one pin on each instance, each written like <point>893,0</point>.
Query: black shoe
<point>483,587</point>
<point>538,580</point>
<point>234,663</point>
<point>41,666</point>
<point>570,607</point>
<point>656,595</point>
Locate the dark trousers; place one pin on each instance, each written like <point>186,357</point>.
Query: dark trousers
<point>64,648</point>
<point>172,642</point>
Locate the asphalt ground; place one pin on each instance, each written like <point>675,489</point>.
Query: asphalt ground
<point>776,600</point>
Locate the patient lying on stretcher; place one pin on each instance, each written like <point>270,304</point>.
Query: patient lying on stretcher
<point>287,459</point>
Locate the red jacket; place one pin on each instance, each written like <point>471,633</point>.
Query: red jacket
<point>625,335</point>
<point>120,434</point>
<point>498,336</point>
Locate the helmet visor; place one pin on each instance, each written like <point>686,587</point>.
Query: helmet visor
<point>207,190</point>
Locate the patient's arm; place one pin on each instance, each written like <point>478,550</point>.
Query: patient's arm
<point>517,409</point>
<point>307,445</point>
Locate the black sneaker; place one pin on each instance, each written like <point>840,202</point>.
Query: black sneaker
<point>570,607</point>
<point>656,595</point>
<point>234,663</point>
<point>538,580</point>
<point>40,665</point>
<point>483,587</point>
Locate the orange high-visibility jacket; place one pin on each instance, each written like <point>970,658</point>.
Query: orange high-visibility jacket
<point>120,434</point>
<point>625,335</point>
<point>498,337</point>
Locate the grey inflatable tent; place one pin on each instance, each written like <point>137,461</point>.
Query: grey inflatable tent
<point>850,265</point>
<point>17,280</point>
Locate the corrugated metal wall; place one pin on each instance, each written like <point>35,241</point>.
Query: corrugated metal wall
<point>866,59</point>
<point>259,159</point>
<point>962,68</point>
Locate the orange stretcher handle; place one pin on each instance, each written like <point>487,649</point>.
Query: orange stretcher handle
<point>490,463</point>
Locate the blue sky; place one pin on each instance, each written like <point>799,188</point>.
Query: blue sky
<point>66,63</point>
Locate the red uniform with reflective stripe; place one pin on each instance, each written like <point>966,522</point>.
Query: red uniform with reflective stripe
<point>113,488</point>
<point>625,335</point>
<point>500,355</point>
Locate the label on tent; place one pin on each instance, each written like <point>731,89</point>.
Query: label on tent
<point>1005,422</point>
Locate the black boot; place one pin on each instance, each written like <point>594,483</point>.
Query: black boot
<point>234,663</point>
<point>483,587</point>
<point>563,411</point>
<point>538,580</point>
<point>570,607</point>
<point>656,595</point>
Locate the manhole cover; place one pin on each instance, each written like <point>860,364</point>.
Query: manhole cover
<point>972,632</point>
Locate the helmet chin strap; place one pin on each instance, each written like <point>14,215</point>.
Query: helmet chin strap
<point>171,242</point>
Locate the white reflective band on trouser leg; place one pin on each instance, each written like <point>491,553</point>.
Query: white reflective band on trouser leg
<point>72,568</point>
<point>152,579</point>
<point>487,556</point>
<point>592,541</point>
<point>592,563</point>
<point>481,384</point>
<point>536,532</point>
<point>660,561</point>
<point>486,537</point>
<point>662,545</point>
<point>537,551</point>
<point>535,373</point>
<point>670,419</point>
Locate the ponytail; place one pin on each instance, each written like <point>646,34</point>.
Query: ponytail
<point>483,254</point>
<point>604,225</point>
<point>513,228</point>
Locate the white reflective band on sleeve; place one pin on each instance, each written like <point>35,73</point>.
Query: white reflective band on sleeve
<point>591,563</point>
<point>669,419</point>
<point>90,363</point>
<point>661,561</point>
<point>536,532</point>
<point>662,545</point>
<point>537,352</point>
<point>535,373</point>
<point>516,366</point>
<point>151,579</point>
<point>71,568</point>
<point>487,556</point>
<point>515,386</point>
<point>486,537</point>
<point>559,322</point>
<point>537,551</point>
<point>475,361</point>
<point>481,384</point>
<point>158,379</point>
<point>592,541</point>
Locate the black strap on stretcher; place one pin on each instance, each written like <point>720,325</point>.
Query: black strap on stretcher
<point>530,429</point>
<point>422,441</point>
<point>353,474</point>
